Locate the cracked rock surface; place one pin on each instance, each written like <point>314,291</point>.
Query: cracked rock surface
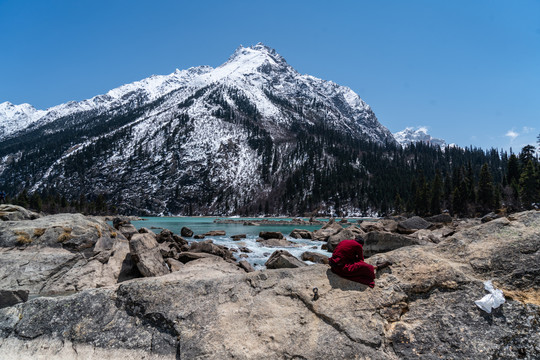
<point>421,307</point>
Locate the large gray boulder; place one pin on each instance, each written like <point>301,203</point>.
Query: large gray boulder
<point>283,259</point>
<point>62,253</point>
<point>208,246</point>
<point>380,241</point>
<point>412,224</point>
<point>440,218</point>
<point>145,252</point>
<point>10,212</point>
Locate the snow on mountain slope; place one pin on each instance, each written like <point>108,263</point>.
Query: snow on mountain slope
<point>410,135</point>
<point>254,70</point>
<point>210,139</point>
<point>16,117</point>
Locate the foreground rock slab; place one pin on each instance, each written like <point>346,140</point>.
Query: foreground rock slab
<point>422,306</point>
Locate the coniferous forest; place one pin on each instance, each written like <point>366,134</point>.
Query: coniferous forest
<point>366,177</point>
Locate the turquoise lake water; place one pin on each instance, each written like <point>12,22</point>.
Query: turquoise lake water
<point>259,254</point>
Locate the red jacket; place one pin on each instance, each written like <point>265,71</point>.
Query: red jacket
<point>348,261</point>
<point>347,252</point>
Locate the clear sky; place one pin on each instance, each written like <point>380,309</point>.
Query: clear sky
<point>467,70</point>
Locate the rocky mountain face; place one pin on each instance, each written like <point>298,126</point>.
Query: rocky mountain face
<point>201,140</point>
<point>422,306</point>
<point>412,136</point>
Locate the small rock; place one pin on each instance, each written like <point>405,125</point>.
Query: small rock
<point>238,237</point>
<point>315,257</point>
<point>128,230</point>
<point>187,232</point>
<point>489,217</point>
<point>174,265</point>
<point>209,247</point>
<point>246,266</point>
<point>168,236</point>
<point>199,236</point>
<point>301,234</point>
<point>215,233</point>
<point>283,259</point>
<point>277,243</point>
<point>187,256</point>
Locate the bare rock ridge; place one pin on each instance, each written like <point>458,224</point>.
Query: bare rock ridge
<point>421,307</point>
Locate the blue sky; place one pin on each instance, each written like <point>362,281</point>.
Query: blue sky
<point>469,71</point>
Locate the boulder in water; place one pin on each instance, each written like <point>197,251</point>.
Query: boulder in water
<point>187,232</point>
<point>271,235</point>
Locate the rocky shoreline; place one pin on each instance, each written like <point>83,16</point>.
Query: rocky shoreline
<point>135,294</point>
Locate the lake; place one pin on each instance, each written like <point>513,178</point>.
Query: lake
<point>259,254</point>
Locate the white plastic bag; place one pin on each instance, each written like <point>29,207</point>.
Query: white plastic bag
<point>492,300</point>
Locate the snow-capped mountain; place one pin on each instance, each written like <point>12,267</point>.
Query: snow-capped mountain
<point>410,135</point>
<point>213,139</point>
<point>17,117</point>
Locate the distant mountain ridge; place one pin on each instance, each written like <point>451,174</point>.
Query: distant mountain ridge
<point>409,135</point>
<point>202,139</point>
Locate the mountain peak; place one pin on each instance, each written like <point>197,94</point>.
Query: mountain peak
<point>410,135</point>
<point>258,52</point>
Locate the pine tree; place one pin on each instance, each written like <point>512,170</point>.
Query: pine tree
<point>526,155</point>
<point>422,196</point>
<point>513,169</point>
<point>528,185</point>
<point>459,206</point>
<point>398,204</point>
<point>35,202</point>
<point>436,190</point>
<point>447,191</point>
<point>470,194</point>
<point>485,189</point>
